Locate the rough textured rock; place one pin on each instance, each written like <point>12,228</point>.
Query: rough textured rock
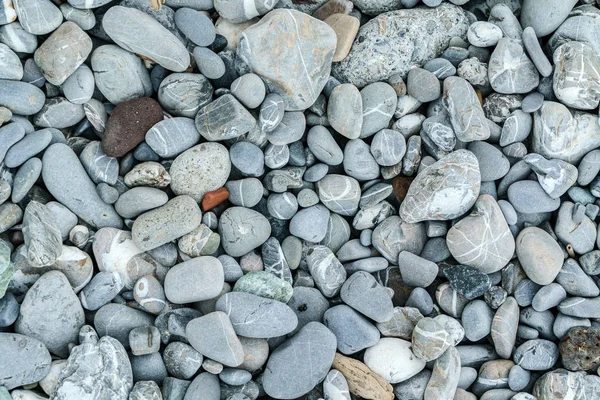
<point>41,235</point>
<point>299,72</point>
<point>362,382</point>
<point>444,190</point>
<point>410,37</point>
<point>579,350</point>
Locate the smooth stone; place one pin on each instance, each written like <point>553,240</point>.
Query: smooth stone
<point>17,38</point>
<point>555,176</point>
<point>578,60</point>
<point>539,59</point>
<point>63,52</point>
<point>328,273</point>
<point>430,339</point>
<point>574,228</point>
<point>176,218</point>
<point>285,375</point>
<point>274,262</point>
<point>183,94</point>
<point>379,101</point>
<point>84,18</point>
<point>145,390</point>
<point>41,235</point>
<point>590,262</point>
<point>477,319</point>
<point>558,133</point>
<point>423,85</point>
<point>209,64</point>
<point>454,177</point>
<point>539,254</point>
<point>198,279</point>
<point>38,17</point>
<point>117,320</point>
<point>213,336</point>
<point>10,63</point>
<point>257,317</point>
<point>234,225</point>
<point>120,75</point>
<point>248,192</point>
<point>10,215</point>
<point>20,97</point>
<point>138,32</point>
<point>393,359</point>
<point>559,383</point>
<point>548,296</point>
<point>196,26</point>
<point>335,385</point>
<point>289,130</point>
<point>510,71</point>
<point>271,112</point>
<point>39,318</point>
<point>249,89</point>
<point>247,158</point>
<point>9,134</point>
<point>465,111</point>
<point>238,12</point>
<point>138,200</point>
<point>388,147</point>
<point>148,173</point>
<point>310,223</point>
<point>25,178</point>
<point>308,304</point>
<point>98,165</point>
<point>358,67</point>
<point>575,281</point>
<point>536,355</point>
<point>416,271</point>
<point>358,162</point>
<point>362,292</point>
<point>200,169</point>
<point>522,195</point>
<point>344,108</point>
<point>484,34</point>
<point>79,194</point>
<point>588,168</point>
<point>205,385</point>
<point>362,335</point>
<point>495,246</point>
<point>493,165</point>
<point>504,327</point>
<point>545,17</point>
<point>516,128</point>
<point>264,284</point>
<point>394,235</point>
<point>78,88</point>
<point>314,52</point>
<point>58,112</point>
<point>444,376</point>
<point>340,194</point>
<point>224,118</point>
<point>27,360</point>
<point>277,156</point>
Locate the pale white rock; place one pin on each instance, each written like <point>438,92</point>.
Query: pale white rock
<point>576,80</point>
<point>115,251</point>
<point>510,71</point>
<point>482,239</point>
<point>393,360</point>
<point>443,191</point>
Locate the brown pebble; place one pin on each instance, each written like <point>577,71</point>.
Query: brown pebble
<point>580,348</point>
<point>333,7</point>
<point>214,198</point>
<point>345,28</point>
<point>401,185</point>
<point>128,124</point>
<point>362,382</point>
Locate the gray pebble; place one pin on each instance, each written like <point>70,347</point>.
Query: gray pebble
<point>209,63</point>
<point>183,94</point>
<point>84,18</point>
<point>440,67</point>
<point>530,197</point>
<point>271,112</point>
<point>245,192</point>
<point>58,112</point>
<point>195,26</point>
<point>349,341</point>
<point>548,297</point>
<point>172,136</point>
<point>379,102</point>
<point>289,130</point>
<point>20,97</point>
<point>323,146</point>
<point>249,89</point>
<point>78,88</point>
<point>25,178</point>
<point>234,224</point>
<point>10,64</point>
<point>247,158</point>
<point>484,34</point>
<point>27,362</point>
<point>205,385</point>
<point>38,17</point>
<point>510,70</point>
<point>277,156</point>
<point>493,165</point>
<point>9,135</point>
<point>423,85</point>
<point>17,38</point>
<point>326,270</point>
<point>310,223</point>
<point>282,205</point>
<point>224,118</point>
<point>27,147</point>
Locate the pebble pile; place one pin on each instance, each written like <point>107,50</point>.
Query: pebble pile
<point>299,199</point>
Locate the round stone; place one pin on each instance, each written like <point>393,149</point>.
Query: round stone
<point>242,230</point>
<point>539,254</point>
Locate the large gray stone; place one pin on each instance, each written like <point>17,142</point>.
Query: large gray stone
<point>465,111</point>
<point>38,17</point>
<point>576,80</point>
<point>26,360</point>
<point>411,37</point>
<point>225,118</point>
<point>41,235</point>
<point>213,336</point>
<point>299,70</point>
<point>242,230</point>
<point>510,70</point>
<point>197,279</point>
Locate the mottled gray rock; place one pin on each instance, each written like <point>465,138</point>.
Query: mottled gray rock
<point>26,360</point>
<point>467,281</point>
<point>138,32</point>
<point>120,75</point>
<point>540,256</point>
<point>576,80</point>
<point>38,17</point>
<point>510,70</point>
<point>274,261</point>
<point>465,111</point>
<point>87,375</point>
<point>536,355</point>
<point>429,339</point>
<point>504,327</point>
<point>264,284</point>
<point>558,133</point>
<point>482,239</point>
<point>362,292</point>
<point>297,73</point>
<point>183,94</point>
<point>484,34</point>
<point>242,230</point>
<point>395,235</point>
<point>179,216</point>
<point>41,319</point>
<point>257,317</point>
<point>454,177</point>
<point>224,118</point>
<point>409,40</point>
<point>285,375</point>
<point>199,170</point>
<point>327,271</point>
<point>41,235</point>
<point>103,287</point>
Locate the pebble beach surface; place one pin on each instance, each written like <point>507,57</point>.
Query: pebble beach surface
<point>285,199</point>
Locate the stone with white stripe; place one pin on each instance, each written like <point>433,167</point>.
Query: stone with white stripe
<point>339,193</point>
<point>327,271</point>
<point>38,17</point>
<point>99,166</point>
<point>183,94</point>
<point>172,136</point>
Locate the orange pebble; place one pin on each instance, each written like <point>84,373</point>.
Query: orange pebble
<point>214,198</point>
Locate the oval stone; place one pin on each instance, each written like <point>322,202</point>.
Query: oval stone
<point>242,230</point>
<point>198,279</point>
<point>26,360</point>
<point>539,254</point>
<point>20,97</point>
<point>393,360</point>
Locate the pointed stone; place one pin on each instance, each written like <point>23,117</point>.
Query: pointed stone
<point>555,176</point>
<point>445,376</point>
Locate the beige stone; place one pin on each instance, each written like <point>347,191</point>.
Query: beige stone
<point>345,28</point>
<point>362,382</point>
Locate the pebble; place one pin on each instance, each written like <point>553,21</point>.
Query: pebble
<point>198,279</point>
<point>246,192</point>
<point>84,18</point>
<point>17,38</point>
<point>345,28</point>
<point>364,294</point>
<point>213,336</point>
<point>393,360</point>
<point>484,34</point>
<point>327,271</point>
<point>504,327</point>
<point>314,51</point>
<point>224,118</point>
<point>344,110</point>
<point>423,85</point>
<point>363,334</point>
<point>114,66</point>
<point>285,376</point>
<point>522,193</point>
<point>27,362</point>
<point>125,25</point>
<point>536,355</point>
<point>544,20</point>
<point>467,281</point>
<point>249,89</point>
<point>14,93</point>
<point>477,319</point>
<point>289,130</point>
<point>149,173</point>
<point>310,223</point>
<point>11,65</point>
<point>510,70</point>
<point>416,271</point>
<point>539,254</point>
<point>235,223</point>
<point>196,26</point>
<point>444,376</point>
<point>455,177</point>
<point>183,94</point>
<point>38,17</point>
<point>388,147</point>
<point>25,178</point>
<point>209,63</point>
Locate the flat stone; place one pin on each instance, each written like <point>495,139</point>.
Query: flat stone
<point>138,200</point>
<point>198,279</point>
<point>98,165</point>
<point>78,88</point>
<point>199,170</point>
<point>410,43</point>
<point>10,134</point>
<point>75,190</point>
<point>290,129</point>
<point>117,320</point>
<point>138,32</point>
<point>209,64</point>
<point>285,375</point>
<point>345,28</point>
<point>271,112</point>
<point>540,256</point>
<point>257,317</point>
<point>224,118</point>
<point>27,362</point>
<point>362,292</point>
<point>63,52</point>
<point>490,245</point>
<point>429,339</point>
<point>195,26</point>
<point>179,216</point>
<point>38,17</point>
<point>393,360</point>
<point>309,224</point>
<point>344,110</point>
<point>26,176</point>
<point>274,261</point>
<point>576,81</point>
<point>416,271</point>
<point>523,194</point>
<point>128,124</point>
<point>14,93</point>
<point>234,225</point>
<point>455,176</point>
<point>120,75</point>
<point>11,64</point>
<point>41,235</point>
<point>314,51</point>
<point>362,335</point>
<point>504,327</point>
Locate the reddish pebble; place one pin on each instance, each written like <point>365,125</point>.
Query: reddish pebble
<point>214,198</point>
